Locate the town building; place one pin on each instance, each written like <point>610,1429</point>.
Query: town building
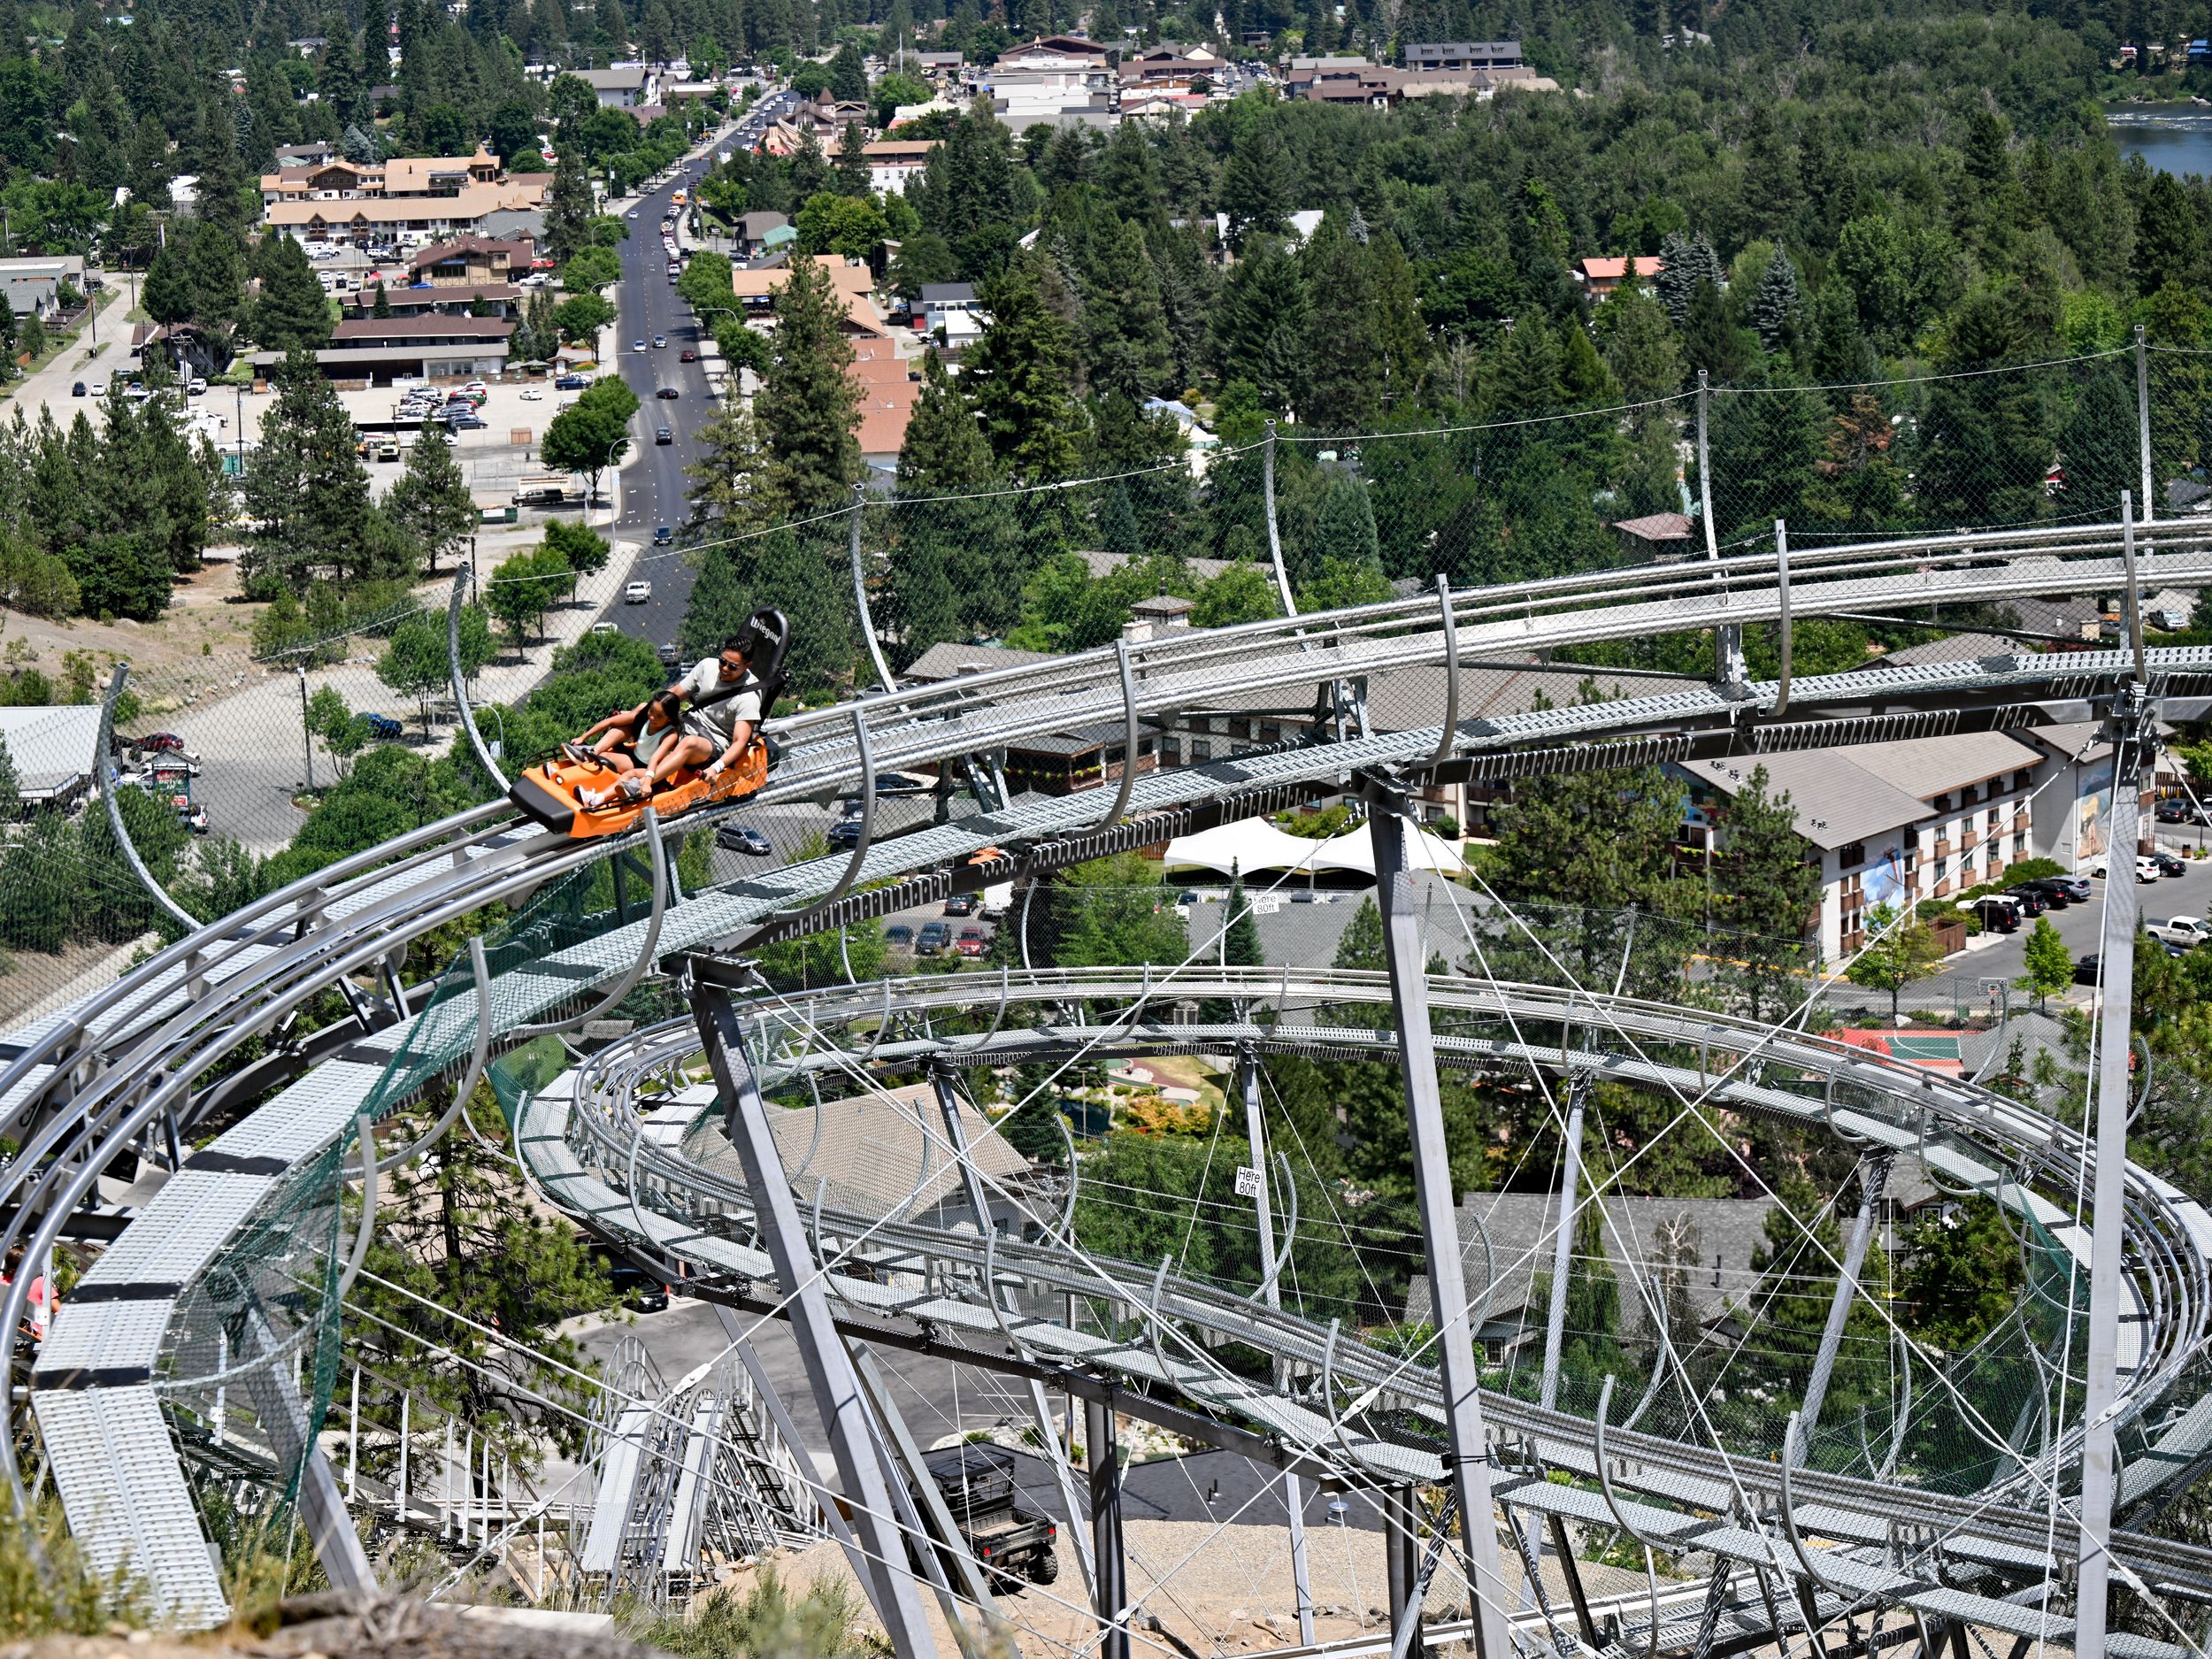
<point>1892,824</point>
<point>622,88</point>
<point>1463,55</point>
<point>1600,276</point>
<point>952,307</point>
<point>754,230</point>
<point>32,285</point>
<point>893,161</point>
<point>1658,538</point>
<point>474,261</point>
<point>495,211</point>
<point>376,351</point>
<point>1054,81</point>
<point>335,179</point>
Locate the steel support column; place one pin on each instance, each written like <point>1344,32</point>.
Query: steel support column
<point>1873,1177</point>
<point>2116,942</point>
<point>1293,1489</point>
<point>837,1393</point>
<point>1468,1459</point>
<point>1040,1409</point>
<point>1562,1268</point>
<point>1111,1595</point>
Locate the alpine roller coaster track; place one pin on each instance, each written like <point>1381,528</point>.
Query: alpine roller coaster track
<point>120,1076</point>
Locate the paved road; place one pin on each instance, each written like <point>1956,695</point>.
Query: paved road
<point>653,483</point>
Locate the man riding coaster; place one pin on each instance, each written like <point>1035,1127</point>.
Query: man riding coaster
<point>724,710</point>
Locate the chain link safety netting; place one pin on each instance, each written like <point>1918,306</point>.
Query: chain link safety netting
<point>336,731</point>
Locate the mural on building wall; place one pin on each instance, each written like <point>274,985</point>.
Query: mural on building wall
<point>2090,813</point>
<point>1885,879</point>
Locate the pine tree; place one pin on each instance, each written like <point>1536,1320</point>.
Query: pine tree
<point>725,479</point>
<point>2097,444</point>
<point>1639,346</point>
<point>1710,339</point>
<point>216,266</point>
<point>1259,326</point>
<point>955,564</point>
<point>429,501</point>
<point>568,208</point>
<point>1778,307</point>
<point>809,406</point>
<point>1769,896</point>
<point>1402,338</point>
<point>848,80</point>
<point>1118,531</point>
<point>1686,262</point>
<point>166,293</point>
<point>1126,336</point>
<point>1024,373</point>
<point>851,178</point>
<point>1839,354</point>
<point>292,310</point>
<point>306,494</point>
<point>1256,191</point>
<point>1341,340</point>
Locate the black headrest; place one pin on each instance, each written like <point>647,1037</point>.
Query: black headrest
<point>772,643</point>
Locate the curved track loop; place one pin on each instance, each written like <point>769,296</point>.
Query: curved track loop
<point>87,1086</point>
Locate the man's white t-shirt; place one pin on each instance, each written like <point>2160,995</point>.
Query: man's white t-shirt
<point>718,721</point>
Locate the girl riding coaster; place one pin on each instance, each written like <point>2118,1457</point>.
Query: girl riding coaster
<point>713,751</point>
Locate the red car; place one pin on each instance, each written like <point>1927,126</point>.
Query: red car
<point>161,744</point>
<point>686,356</point>
<point>970,941</point>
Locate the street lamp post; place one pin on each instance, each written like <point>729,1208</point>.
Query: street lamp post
<point>307,739</point>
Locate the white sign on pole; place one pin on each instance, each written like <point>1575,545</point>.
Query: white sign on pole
<point>1247,1181</point>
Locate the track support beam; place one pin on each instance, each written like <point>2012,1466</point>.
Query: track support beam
<point>837,1392</point>
<point>1111,1594</point>
<point>2133,729</point>
<point>1469,1458</point>
<point>1873,1177</point>
<point>1293,1489</point>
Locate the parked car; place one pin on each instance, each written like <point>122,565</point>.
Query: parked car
<point>602,627</point>
<point>1998,915</point>
<point>382,728</point>
<point>844,835</point>
<point>2087,968</point>
<point>2075,888</point>
<point>899,936</point>
<point>2050,889</point>
<point>572,383</point>
<point>970,942</point>
<point>932,941</point>
<point>533,394</point>
<point>742,837</point>
<point>637,1290</point>
<point>2177,812</point>
<point>637,593</point>
<point>962,905</point>
<point>161,743</point>
<point>2188,931</point>
<point>2167,862</point>
<point>2145,870</point>
<point>471,422</point>
<point>2031,903</point>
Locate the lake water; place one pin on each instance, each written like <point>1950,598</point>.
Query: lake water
<point>2176,141</point>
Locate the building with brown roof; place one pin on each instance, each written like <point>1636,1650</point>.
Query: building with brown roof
<point>477,260</point>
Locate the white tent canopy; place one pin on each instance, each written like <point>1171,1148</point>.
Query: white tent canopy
<point>1248,844</point>
<point>1254,843</point>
